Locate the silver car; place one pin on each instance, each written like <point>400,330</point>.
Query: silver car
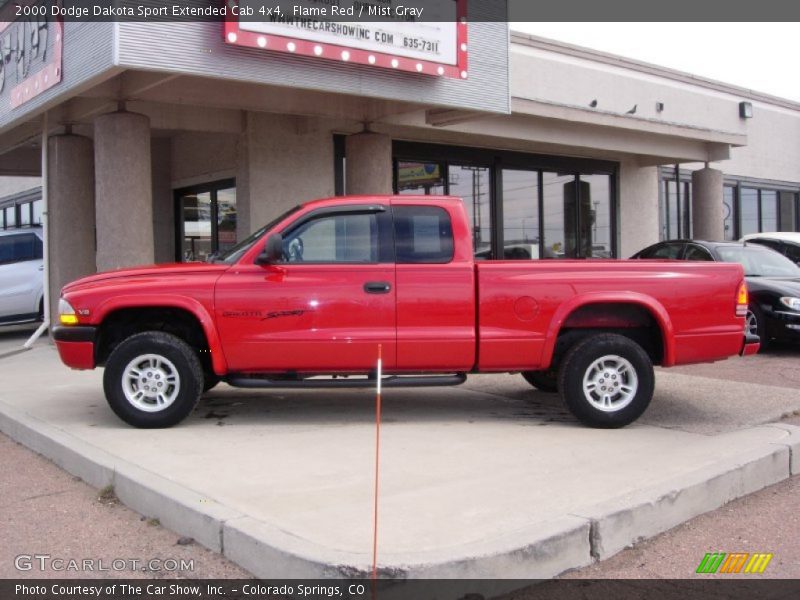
<point>21,280</point>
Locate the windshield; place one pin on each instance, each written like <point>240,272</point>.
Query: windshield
<point>235,253</point>
<point>759,262</point>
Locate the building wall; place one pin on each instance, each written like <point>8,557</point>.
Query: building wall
<point>562,77</point>
<point>199,157</point>
<point>14,185</point>
<point>773,146</point>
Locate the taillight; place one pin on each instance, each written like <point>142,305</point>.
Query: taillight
<point>742,300</point>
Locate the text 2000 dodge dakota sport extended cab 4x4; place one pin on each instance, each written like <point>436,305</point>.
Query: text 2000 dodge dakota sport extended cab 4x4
<point>315,292</point>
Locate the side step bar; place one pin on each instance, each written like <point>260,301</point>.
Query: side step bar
<point>392,381</point>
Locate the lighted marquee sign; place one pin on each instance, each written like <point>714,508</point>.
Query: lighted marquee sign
<point>433,43</point>
<point>30,51</point>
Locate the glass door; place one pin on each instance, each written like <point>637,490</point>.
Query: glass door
<point>206,220</point>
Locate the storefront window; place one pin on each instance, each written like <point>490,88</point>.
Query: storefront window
<point>520,214</point>
<point>10,217</point>
<point>728,199</point>
<point>196,244</point>
<point>37,212</point>
<point>769,210</point>
<point>596,216</point>
<point>557,190</point>
<point>424,178</point>
<point>206,220</point>
<point>749,211</point>
<point>472,185</point>
<point>675,211</point>
<point>226,219</point>
<point>538,206</point>
<point>25,214</point>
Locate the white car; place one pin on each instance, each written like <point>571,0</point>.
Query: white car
<point>785,242</point>
<point>21,277</point>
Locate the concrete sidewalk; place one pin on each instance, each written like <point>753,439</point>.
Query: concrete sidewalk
<point>491,479</point>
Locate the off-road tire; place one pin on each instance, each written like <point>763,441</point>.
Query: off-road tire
<point>183,363</point>
<point>607,404</point>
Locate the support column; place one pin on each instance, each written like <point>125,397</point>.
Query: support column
<point>638,207</point>
<point>369,164</point>
<point>124,193</point>
<point>707,211</point>
<point>163,200</point>
<point>71,213</point>
<point>282,161</point>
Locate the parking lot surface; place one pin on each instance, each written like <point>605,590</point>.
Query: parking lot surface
<point>475,480</point>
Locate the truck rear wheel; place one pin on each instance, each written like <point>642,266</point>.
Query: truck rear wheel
<point>606,380</point>
<point>153,379</point>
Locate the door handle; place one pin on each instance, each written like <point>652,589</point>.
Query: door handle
<point>377,287</point>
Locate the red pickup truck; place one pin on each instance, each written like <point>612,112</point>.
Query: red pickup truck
<point>306,301</point>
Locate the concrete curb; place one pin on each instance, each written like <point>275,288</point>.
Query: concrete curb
<point>793,443</point>
<point>182,510</point>
<point>621,522</point>
<point>537,552</point>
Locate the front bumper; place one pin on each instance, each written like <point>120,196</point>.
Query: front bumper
<point>783,324</point>
<point>750,345</point>
<point>75,345</point>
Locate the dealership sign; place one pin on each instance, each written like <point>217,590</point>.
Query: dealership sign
<point>31,44</point>
<point>430,40</point>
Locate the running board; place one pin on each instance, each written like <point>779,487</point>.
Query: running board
<point>391,381</point>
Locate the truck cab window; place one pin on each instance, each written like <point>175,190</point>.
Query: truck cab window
<point>342,238</point>
<point>423,234</point>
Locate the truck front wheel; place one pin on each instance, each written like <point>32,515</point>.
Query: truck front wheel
<point>153,379</point>
<point>606,380</point>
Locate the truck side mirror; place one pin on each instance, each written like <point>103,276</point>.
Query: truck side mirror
<point>273,250</point>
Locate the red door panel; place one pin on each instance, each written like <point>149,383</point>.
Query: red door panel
<point>316,318</point>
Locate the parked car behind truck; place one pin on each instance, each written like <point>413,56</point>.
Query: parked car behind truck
<point>21,281</point>
<point>773,282</point>
<point>316,292</point>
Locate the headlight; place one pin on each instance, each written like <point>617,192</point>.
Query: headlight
<point>791,302</point>
<point>66,314</point>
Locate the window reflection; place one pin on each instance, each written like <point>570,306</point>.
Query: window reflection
<point>557,190</point>
<point>596,216</point>
<point>769,210</point>
<point>424,178</point>
<point>520,214</point>
<point>728,195</point>
<point>472,185</point>
<point>545,214</point>
<point>749,211</point>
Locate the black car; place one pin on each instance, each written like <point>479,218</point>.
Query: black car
<point>773,281</point>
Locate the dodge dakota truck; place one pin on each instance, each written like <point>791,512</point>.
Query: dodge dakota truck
<point>307,300</point>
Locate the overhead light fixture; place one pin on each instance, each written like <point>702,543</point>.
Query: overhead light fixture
<point>746,110</point>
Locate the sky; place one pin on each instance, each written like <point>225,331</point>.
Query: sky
<point>757,56</point>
